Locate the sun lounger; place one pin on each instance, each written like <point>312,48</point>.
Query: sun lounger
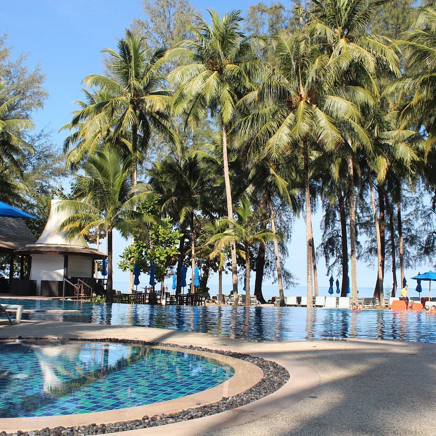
<point>17,308</point>
<point>344,302</point>
<point>430,303</point>
<point>330,302</point>
<point>319,301</point>
<point>291,301</point>
<point>303,301</point>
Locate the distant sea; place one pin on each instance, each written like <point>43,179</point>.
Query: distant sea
<point>268,290</point>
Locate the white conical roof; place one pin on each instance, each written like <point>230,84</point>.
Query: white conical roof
<point>52,235</point>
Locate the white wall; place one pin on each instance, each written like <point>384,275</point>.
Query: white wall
<point>46,267</point>
<point>79,266</point>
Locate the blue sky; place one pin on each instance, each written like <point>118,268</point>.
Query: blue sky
<point>65,38</point>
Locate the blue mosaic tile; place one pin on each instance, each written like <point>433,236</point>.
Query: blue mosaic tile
<point>45,379</point>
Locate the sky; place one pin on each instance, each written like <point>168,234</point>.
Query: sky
<point>65,38</point>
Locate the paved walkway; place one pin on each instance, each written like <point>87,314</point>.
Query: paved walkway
<point>336,387</point>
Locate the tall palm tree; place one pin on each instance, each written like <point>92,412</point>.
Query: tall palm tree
<point>105,201</point>
<point>213,78</point>
<point>246,231</point>
<point>129,105</point>
<point>297,112</point>
<point>419,83</point>
<point>355,59</point>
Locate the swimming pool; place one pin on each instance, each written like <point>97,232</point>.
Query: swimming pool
<point>54,379</point>
<point>254,323</point>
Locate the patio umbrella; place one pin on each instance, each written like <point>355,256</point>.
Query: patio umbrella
<point>152,282</point>
<point>331,285</point>
<point>174,281</point>
<point>104,267</point>
<point>338,291</point>
<point>419,287</point>
<point>196,277</point>
<point>427,277</point>
<point>13,212</point>
<point>136,273</point>
<point>183,277</point>
<point>405,281</point>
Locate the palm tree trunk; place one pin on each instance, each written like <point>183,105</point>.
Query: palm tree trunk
<point>378,292</point>
<point>343,220</point>
<point>309,239</point>
<point>315,271</point>
<point>192,253</point>
<point>260,260</point>
<point>247,275</point>
<point>277,253</point>
<point>393,247</point>
<point>220,286</point>
<point>109,285</point>
<point>401,241</point>
<point>353,254</point>
<point>230,213</point>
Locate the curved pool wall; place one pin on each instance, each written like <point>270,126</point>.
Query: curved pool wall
<point>254,323</point>
<point>55,379</point>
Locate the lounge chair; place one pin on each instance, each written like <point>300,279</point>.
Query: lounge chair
<point>320,301</point>
<point>291,301</point>
<point>344,302</point>
<point>17,308</point>
<point>254,301</point>
<point>303,301</point>
<point>330,302</point>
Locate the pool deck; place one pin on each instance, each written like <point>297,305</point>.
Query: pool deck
<point>352,387</point>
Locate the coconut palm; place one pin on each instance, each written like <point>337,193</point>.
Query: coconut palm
<point>105,201</point>
<point>356,58</point>
<point>212,78</point>
<point>129,106</point>
<point>419,83</point>
<point>245,230</point>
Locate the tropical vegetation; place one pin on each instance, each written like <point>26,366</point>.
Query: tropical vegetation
<point>205,143</point>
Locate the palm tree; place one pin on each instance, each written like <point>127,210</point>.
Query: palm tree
<point>213,78</point>
<point>129,105</point>
<point>298,113</point>
<point>246,231</point>
<point>105,202</point>
<point>355,59</point>
<point>419,83</point>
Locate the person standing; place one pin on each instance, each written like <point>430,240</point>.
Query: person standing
<point>404,297</point>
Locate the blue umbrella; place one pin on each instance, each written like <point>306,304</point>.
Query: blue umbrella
<point>196,277</point>
<point>338,291</point>
<point>405,281</point>
<point>348,285</point>
<point>136,273</point>
<point>152,282</point>
<point>104,267</point>
<point>174,281</point>
<point>13,212</point>
<point>427,277</point>
<point>418,286</point>
<point>331,285</point>
<point>183,276</point>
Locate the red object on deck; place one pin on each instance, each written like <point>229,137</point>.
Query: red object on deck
<point>398,305</point>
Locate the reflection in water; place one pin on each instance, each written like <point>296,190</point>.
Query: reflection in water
<point>256,323</point>
<point>42,379</point>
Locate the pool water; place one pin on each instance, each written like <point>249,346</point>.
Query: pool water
<point>49,379</point>
<point>253,324</point>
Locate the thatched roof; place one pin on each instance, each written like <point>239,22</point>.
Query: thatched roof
<point>14,234</point>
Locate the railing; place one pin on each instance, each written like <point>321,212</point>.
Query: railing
<point>84,285</point>
<point>76,288</point>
